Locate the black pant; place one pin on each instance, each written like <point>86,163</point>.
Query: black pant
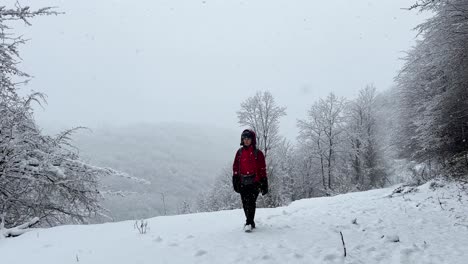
<point>249,196</point>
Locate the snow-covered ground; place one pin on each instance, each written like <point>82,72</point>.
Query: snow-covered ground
<point>422,226</point>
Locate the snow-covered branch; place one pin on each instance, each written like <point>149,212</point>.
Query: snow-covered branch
<point>18,230</point>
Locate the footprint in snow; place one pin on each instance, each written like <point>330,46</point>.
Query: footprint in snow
<point>158,239</point>
<point>392,238</point>
<point>333,258</point>
<point>173,245</point>
<point>298,256</point>
<point>190,237</point>
<point>410,254</point>
<point>200,253</point>
<point>358,247</point>
<point>272,216</point>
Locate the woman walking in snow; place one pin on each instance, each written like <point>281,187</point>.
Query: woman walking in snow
<point>249,175</point>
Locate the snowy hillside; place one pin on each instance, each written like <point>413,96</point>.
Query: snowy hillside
<point>423,225</point>
<point>180,160</point>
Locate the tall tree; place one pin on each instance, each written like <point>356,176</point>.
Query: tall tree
<point>362,134</point>
<point>322,130</point>
<point>281,175</point>
<point>41,177</point>
<point>261,113</point>
<point>312,139</point>
<point>432,86</point>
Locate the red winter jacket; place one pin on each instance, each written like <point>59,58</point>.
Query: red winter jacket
<point>246,164</point>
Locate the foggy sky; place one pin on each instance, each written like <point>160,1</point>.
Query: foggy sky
<point>120,62</point>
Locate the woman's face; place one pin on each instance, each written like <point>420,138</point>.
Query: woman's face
<point>247,141</point>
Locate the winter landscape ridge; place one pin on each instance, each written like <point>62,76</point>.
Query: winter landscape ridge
<point>401,224</point>
<point>325,125</point>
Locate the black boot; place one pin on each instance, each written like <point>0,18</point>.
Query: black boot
<point>252,223</point>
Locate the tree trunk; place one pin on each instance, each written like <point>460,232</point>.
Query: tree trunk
<point>321,163</point>
<point>330,153</point>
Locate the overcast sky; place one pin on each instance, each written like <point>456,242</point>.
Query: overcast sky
<point>120,62</point>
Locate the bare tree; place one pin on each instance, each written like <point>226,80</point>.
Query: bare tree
<point>312,137</point>
<point>261,113</point>
<point>322,130</point>
<point>362,134</point>
<point>282,187</point>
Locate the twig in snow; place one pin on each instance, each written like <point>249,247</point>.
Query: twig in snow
<point>440,203</point>
<point>142,226</point>
<point>344,246</point>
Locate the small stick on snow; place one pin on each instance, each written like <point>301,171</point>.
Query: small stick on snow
<point>344,246</point>
<point>440,203</point>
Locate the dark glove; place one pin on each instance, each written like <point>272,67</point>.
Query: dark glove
<point>264,185</point>
<point>236,183</point>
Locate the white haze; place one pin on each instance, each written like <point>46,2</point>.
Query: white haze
<point>119,62</point>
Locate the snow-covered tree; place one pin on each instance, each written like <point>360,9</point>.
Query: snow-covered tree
<point>322,132</point>
<point>185,207</point>
<point>261,113</point>
<point>312,141</point>
<point>281,175</point>
<point>432,87</point>
<point>365,152</point>
<point>221,196</point>
<point>41,177</point>
<point>307,178</point>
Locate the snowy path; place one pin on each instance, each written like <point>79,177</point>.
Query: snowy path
<point>307,231</point>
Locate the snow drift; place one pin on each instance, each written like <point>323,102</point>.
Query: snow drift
<point>426,224</point>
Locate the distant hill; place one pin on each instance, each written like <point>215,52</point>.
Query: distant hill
<point>180,161</point>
